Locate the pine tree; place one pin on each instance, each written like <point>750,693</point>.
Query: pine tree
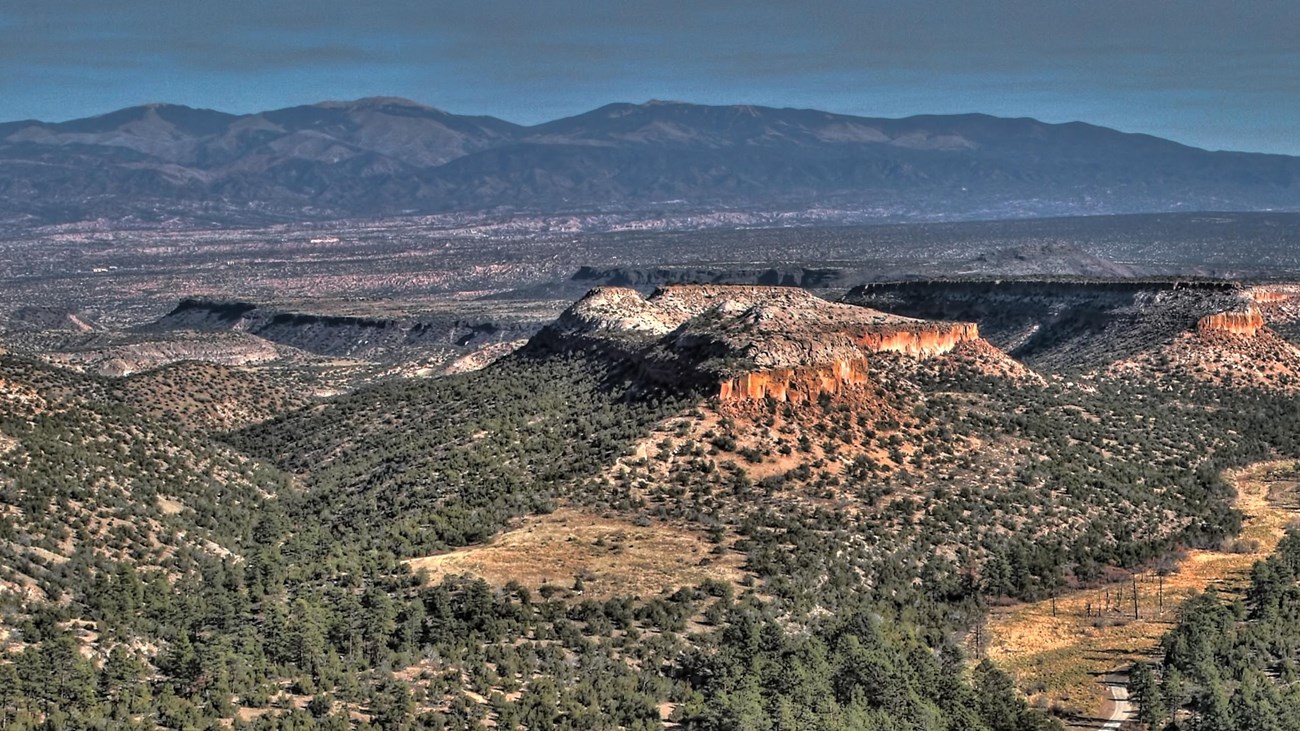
<point>121,679</point>
<point>1145,693</point>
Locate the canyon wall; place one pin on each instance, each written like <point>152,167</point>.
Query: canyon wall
<point>1241,322</point>
<point>1061,325</point>
<point>807,383</point>
<point>384,336</point>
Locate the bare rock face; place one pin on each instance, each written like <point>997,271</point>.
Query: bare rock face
<point>1280,306</point>
<point>932,339</point>
<point>1271,295</point>
<point>482,357</point>
<point>1247,321</point>
<point>796,385</point>
<point>753,342</point>
<point>116,360</point>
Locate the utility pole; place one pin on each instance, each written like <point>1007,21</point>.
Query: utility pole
<point>1135,596</point>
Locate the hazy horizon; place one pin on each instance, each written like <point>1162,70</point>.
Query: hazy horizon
<point>1197,72</point>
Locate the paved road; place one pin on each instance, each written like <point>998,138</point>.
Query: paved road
<point>1122,710</point>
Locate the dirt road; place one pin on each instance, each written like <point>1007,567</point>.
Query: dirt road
<point>1120,708</point>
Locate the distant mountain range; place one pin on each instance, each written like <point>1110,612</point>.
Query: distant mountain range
<point>387,156</point>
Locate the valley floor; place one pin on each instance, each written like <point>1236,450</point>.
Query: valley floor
<point>1063,653</point>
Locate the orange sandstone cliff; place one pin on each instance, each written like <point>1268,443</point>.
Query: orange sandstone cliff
<point>796,385</point>
<point>919,340</point>
<point>1240,322</point>
<point>1268,296</point>
<point>754,342</point>
<point>807,383</point>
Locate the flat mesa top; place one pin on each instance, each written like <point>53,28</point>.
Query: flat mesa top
<point>722,308</point>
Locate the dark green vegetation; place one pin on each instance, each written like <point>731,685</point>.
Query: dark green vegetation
<point>1232,665</point>
<point>312,608</point>
<point>413,468</point>
<point>86,482</point>
<point>986,489</point>
<point>259,578</point>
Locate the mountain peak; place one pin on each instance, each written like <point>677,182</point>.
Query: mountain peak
<point>376,102</point>
<point>384,155</point>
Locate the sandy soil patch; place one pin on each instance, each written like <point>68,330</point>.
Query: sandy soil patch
<point>614,556</point>
<point>169,506</point>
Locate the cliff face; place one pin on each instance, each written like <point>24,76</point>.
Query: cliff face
<point>1061,325</point>
<point>796,385</point>
<point>1241,322</point>
<point>380,337</point>
<point>921,341</point>
<point>1269,296</point>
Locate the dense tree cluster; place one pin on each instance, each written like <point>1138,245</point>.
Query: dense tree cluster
<point>1232,665</point>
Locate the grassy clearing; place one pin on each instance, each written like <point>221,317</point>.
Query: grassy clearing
<point>1058,660</point>
<point>614,557</point>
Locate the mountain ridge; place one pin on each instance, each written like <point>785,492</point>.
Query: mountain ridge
<point>382,156</point>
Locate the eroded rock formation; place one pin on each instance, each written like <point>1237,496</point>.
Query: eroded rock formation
<point>924,340</point>
<point>753,342</point>
<point>796,385</point>
<point>360,331</point>
<point>1239,322</point>
<point>1269,296</point>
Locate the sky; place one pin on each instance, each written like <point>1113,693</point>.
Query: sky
<point>1219,74</point>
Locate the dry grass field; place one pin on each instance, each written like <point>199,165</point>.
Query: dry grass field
<point>613,557</point>
<point>1058,658</point>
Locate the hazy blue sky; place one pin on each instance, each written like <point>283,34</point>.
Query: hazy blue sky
<point>1214,73</point>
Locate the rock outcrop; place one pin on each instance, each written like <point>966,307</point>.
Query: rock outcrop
<point>1247,321</point>
<point>750,341</point>
<point>1280,306</point>
<point>115,359</point>
<point>931,339</point>
<point>618,312</point>
<point>795,385</point>
<point>1271,295</point>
